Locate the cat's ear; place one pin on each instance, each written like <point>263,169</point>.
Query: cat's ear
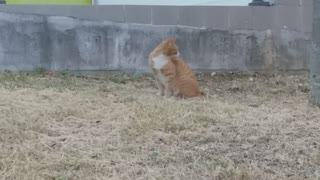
<point>172,40</point>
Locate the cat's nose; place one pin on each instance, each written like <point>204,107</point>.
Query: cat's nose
<point>178,53</point>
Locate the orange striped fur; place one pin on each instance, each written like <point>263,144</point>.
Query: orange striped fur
<point>173,76</point>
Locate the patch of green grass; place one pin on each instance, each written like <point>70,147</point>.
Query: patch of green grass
<point>39,71</point>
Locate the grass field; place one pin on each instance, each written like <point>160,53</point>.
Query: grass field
<point>61,127</point>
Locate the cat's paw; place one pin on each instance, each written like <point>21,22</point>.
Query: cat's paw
<point>160,94</point>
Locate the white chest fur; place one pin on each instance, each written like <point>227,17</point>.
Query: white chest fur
<point>159,61</point>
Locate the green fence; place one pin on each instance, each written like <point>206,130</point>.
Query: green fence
<point>56,2</point>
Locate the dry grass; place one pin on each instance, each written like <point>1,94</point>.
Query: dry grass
<point>60,127</point>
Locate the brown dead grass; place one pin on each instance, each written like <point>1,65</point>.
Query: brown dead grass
<point>115,127</point>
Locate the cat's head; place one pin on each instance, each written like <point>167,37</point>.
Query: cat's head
<point>167,48</point>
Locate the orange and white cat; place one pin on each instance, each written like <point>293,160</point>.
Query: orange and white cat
<point>173,76</point>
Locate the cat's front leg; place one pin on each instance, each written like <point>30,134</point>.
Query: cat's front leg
<point>159,85</point>
<point>168,91</point>
<point>161,90</point>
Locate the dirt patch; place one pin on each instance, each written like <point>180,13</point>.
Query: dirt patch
<point>116,127</point>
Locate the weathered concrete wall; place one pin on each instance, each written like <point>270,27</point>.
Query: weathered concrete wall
<point>288,14</point>
<point>209,38</point>
<point>315,59</point>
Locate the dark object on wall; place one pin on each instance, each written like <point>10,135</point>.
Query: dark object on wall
<point>259,3</point>
<point>2,1</point>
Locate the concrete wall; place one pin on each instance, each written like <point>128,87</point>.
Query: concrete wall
<point>315,58</point>
<point>121,37</point>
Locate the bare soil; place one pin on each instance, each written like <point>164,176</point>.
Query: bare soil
<point>57,126</point>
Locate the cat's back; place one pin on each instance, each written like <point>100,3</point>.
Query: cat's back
<point>186,79</point>
<point>183,69</point>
